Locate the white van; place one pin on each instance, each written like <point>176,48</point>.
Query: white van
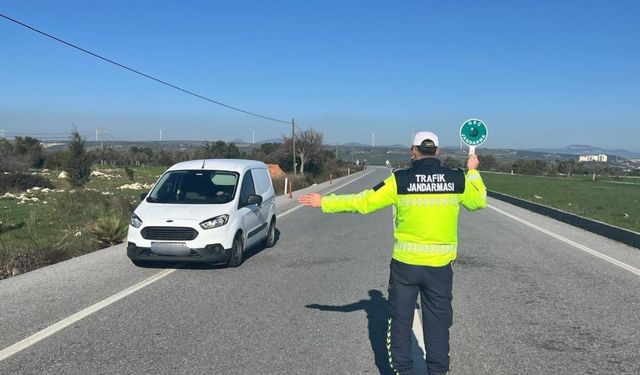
<point>206,211</point>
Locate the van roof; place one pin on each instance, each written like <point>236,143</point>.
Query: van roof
<point>233,165</point>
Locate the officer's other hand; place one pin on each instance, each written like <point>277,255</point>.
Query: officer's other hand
<point>311,200</point>
<point>473,162</point>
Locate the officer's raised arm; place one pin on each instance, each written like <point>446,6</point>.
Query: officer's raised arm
<point>311,200</point>
<point>380,196</point>
<point>475,193</point>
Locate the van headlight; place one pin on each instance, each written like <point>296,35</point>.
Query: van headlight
<point>135,222</point>
<point>215,222</point>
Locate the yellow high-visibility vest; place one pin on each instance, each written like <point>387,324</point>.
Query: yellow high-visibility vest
<point>427,198</point>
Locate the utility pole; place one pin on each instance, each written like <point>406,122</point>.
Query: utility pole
<point>293,140</point>
<point>373,140</point>
<point>160,135</point>
<point>253,138</point>
<point>100,132</point>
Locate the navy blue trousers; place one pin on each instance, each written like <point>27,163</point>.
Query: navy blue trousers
<point>434,285</point>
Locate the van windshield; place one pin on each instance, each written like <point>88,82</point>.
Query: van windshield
<point>195,187</point>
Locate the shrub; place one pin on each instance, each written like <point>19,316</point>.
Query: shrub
<point>530,167</point>
<point>9,227</point>
<point>77,163</point>
<point>129,172</point>
<point>451,162</point>
<point>22,182</point>
<point>91,205</point>
<point>54,160</point>
<point>109,230</point>
<point>17,261</point>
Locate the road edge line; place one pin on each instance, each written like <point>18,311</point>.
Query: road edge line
<point>578,246</point>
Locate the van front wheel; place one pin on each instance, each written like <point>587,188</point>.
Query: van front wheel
<point>235,258</point>
<point>270,241</point>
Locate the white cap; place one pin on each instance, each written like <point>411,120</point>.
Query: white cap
<point>422,136</point>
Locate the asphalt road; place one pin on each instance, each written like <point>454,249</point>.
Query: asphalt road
<point>525,303</point>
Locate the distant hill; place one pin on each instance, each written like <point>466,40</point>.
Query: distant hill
<point>271,140</point>
<point>355,144</point>
<point>588,150</point>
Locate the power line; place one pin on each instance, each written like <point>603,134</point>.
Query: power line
<point>141,73</point>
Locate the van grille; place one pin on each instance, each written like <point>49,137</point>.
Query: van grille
<point>169,233</point>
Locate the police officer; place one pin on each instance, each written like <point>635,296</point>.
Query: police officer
<point>427,197</point>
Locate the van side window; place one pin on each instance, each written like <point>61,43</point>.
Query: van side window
<point>262,181</point>
<point>247,188</point>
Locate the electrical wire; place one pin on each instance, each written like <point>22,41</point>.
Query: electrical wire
<point>141,73</point>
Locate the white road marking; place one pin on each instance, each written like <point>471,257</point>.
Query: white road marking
<point>43,334</point>
<point>287,212</point>
<point>570,242</point>
<point>417,329</point>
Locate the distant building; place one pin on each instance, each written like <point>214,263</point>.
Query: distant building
<point>600,158</point>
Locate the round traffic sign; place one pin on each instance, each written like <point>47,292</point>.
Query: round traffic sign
<point>474,132</point>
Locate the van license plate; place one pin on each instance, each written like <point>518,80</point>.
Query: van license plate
<point>170,248</point>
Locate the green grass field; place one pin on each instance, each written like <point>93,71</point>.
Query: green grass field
<point>52,226</point>
<point>607,199</point>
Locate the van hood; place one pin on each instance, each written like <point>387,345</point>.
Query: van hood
<point>196,212</point>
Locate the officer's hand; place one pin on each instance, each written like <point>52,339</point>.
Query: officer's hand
<point>311,200</point>
<point>473,162</point>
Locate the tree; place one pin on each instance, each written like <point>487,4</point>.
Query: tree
<point>309,147</point>
<point>488,162</point>
<point>566,166</point>
<point>77,163</point>
<point>530,167</point>
<point>165,158</point>
<point>31,149</point>
<point>55,159</point>
<point>9,161</point>
<point>129,172</point>
<point>451,162</point>
<point>220,150</point>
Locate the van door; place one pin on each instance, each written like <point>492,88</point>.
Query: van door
<point>264,188</point>
<point>249,213</point>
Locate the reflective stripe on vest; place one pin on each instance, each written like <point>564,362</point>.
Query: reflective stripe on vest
<point>452,200</point>
<point>436,249</point>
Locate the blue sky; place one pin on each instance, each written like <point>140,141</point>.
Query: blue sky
<point>539,73</point>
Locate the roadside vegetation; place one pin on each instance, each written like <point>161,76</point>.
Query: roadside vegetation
<point>58,205</point>
<point>606,199</point>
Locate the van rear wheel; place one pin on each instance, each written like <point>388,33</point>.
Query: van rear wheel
<point>235,258</point>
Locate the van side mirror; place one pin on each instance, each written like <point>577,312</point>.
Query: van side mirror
<point>143,196</point>
<point>254,199</point>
